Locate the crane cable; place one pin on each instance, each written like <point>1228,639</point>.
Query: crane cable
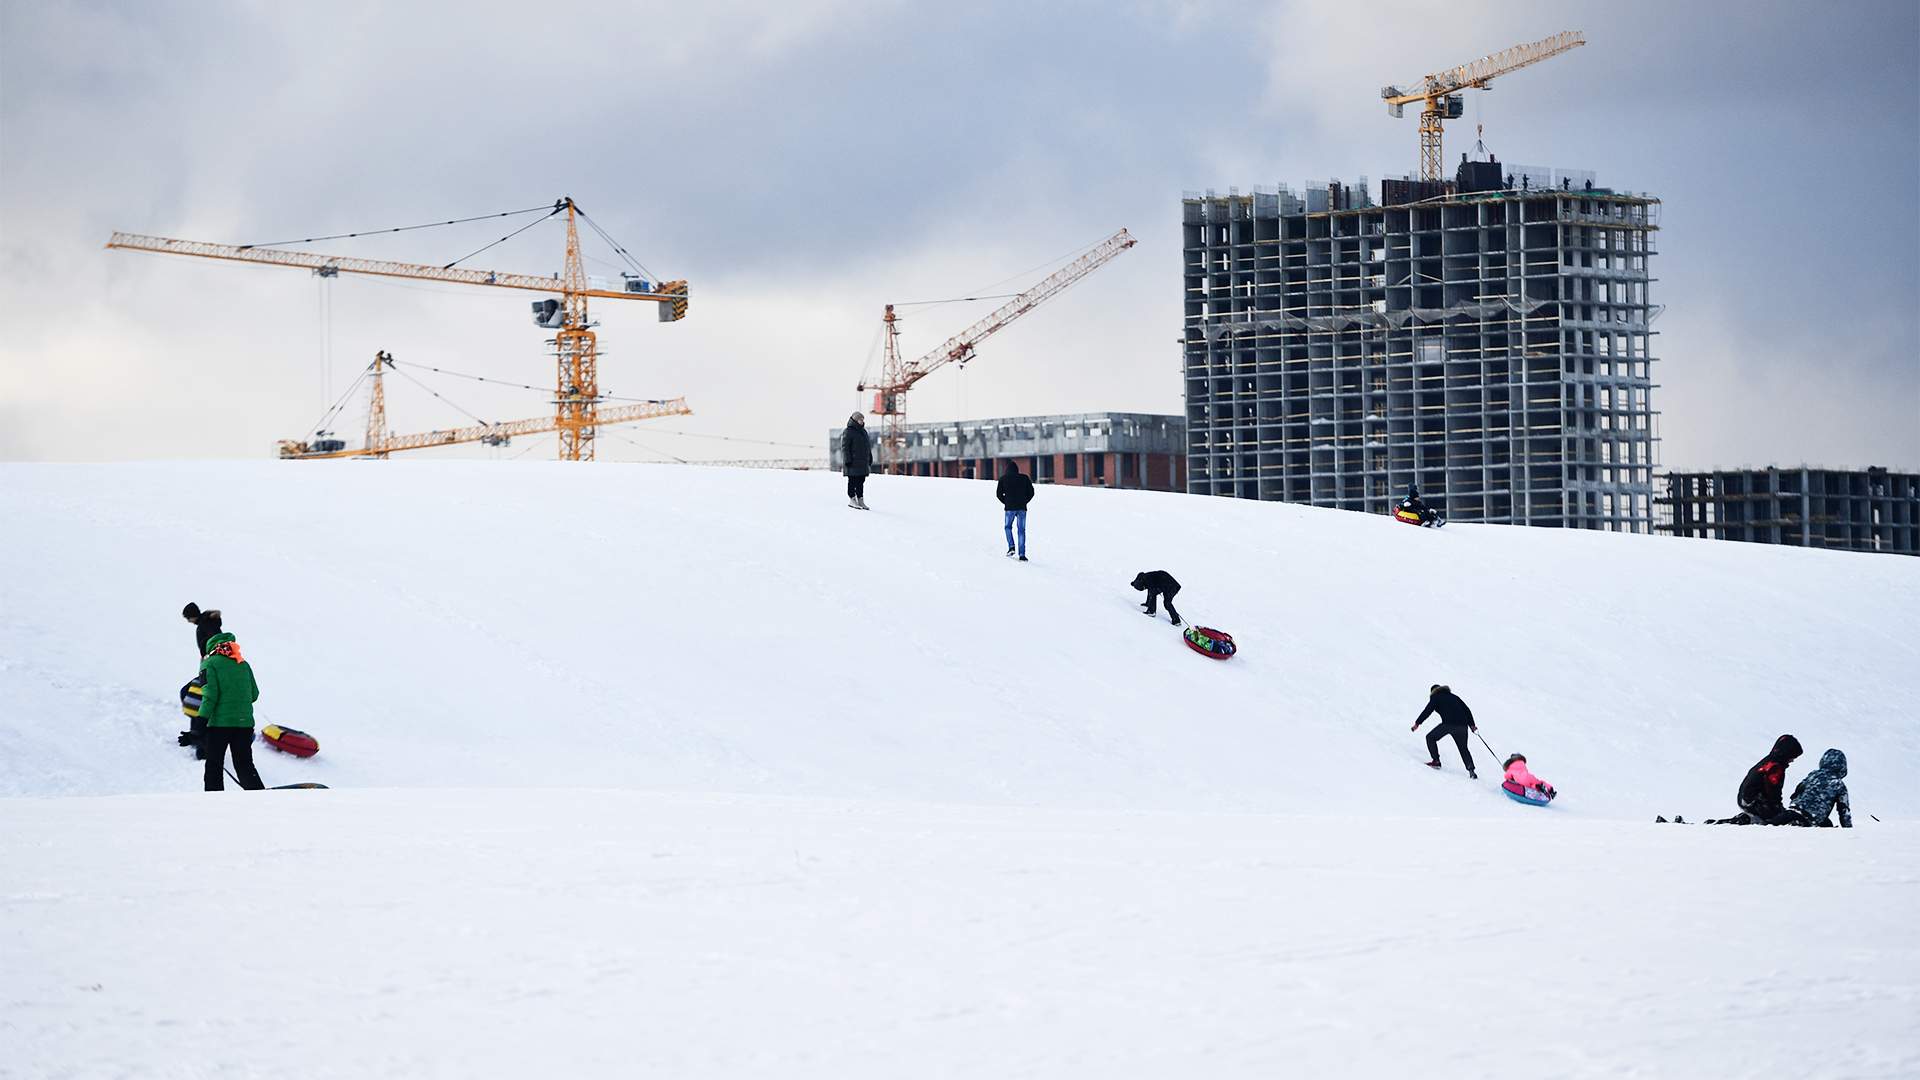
<point>615,244</point>
<point>401,228</point>
<point>340,404</point>
<point>557,207</point>
<point>523,386</point>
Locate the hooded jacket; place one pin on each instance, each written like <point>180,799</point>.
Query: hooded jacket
<point>857,450</point>
<point>1156,583</point>
<point>1453,712</point>
<point>1015,490</point>
<point>228,696</point>
<point>1518,773</point>
<point>1760,790</point>
<point>1824,790</point>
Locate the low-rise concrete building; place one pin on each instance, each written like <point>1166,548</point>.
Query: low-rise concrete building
<point>1110,449</point>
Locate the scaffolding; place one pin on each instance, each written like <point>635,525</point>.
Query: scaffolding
<point>1871,509</point>
<point>1487,340</point>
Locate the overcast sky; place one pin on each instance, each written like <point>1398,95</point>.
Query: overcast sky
<point>803,164</point>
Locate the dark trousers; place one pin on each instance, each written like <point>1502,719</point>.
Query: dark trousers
<point>1155,595</point>
<point>1459,733</point>
<point>239,741</point>
<point>856,486</point>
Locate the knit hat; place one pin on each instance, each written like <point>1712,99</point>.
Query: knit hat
<point>858,418</point>
<point>1511,758</point>
<point>190,612</point>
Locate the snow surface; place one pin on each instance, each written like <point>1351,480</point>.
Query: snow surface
<point>648,769</point>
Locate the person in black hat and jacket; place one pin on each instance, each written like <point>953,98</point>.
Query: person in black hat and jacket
<point>205,625</point>
<point>1455,720</point>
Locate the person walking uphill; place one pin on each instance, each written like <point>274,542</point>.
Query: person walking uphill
<point>226,703</point>
<point>856,448</point>
<point>1455,720</point>
<point>1015,491</point>
<point>1158,585</point>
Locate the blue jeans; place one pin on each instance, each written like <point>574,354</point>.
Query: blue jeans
<point>1018,517</point>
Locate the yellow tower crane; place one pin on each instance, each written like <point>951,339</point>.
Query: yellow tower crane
<point>1440,92</point>
<point>577,401</point>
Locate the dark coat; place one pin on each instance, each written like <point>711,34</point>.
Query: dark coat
<point>1824,790</point>
<point>1760,789</point>
<point>856,446</point>
<point>1452,711</point>
<point>1156,581</point>
<point>204,627</point>
<point>1014,491</point>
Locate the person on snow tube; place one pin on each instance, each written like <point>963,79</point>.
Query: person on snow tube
<point>1413,509</point>
<point>1520,780</point>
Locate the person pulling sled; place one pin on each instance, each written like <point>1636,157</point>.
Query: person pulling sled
<point>226,704</point>
<point>1455,720</point>
<point>1159,586</point>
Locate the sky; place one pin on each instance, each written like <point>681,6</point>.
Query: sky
<point>802,165</point>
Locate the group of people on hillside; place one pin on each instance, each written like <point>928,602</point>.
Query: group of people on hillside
<point>1815,799</point>
<point>219,703</point>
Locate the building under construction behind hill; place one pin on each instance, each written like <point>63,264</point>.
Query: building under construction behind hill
<point>1845,509</point>
<point>1486,339</point>
<point>1117,450</point>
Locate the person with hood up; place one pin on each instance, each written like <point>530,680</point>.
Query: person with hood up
<point>1759,794</point>
<point>226,704</point>
<point>1158,585</point>
<point>1015,491</point>
<point>1824,790</point>
<point>856,448</point>
<point>1455,720</point>
<point>1520,780</point>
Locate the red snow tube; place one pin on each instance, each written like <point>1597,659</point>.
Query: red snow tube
<point>1210,643</point>
<point>1411,517</point>
<point>289,741</point>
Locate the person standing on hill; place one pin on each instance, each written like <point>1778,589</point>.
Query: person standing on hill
<point>1158,585</point>
<point>226,704</point>
<point>1455,720</point>
<point>1760,790</point>
<point>1015,491</point>
<point>205,625</point>
<point>856,449</point>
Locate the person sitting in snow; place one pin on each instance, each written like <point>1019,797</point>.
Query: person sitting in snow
<point>1823,791</point>
<point>1520,780</point>
<point>226,704</point>
<point>1158,585</point>
<point>1759,794</point>
<point>1455,720</point>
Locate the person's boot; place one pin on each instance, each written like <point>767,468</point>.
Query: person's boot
<point>852,503</point>
<point>1023,558</point>
<point>1471,775</point>
<point>861,502</point>
<point>1009,553</point>
<point>1433,764</point>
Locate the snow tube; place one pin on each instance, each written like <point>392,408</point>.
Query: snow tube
<point>1525,794</point>
<point>289,741</point>
<point>190,697</point>
<point>1411,517</point>
<point>1210,643</point>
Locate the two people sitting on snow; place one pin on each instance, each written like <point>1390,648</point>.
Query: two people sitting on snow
<point>1455,720</point>
<point>1159,586</point>
<point>1520,780</point>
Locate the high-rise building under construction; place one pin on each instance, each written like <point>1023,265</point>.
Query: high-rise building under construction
<point>1486,339</point>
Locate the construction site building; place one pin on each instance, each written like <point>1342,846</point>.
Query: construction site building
<point>1109,449</point>
<point>1486,339</point>
<point>1870,509</point>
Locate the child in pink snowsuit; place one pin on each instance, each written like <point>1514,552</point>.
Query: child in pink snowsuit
<point>1520,780</point>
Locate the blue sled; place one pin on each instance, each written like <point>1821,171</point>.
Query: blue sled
<point>1526,795</point>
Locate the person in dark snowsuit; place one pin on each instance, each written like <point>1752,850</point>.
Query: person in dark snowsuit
<point>205,625</point>
<point>226,703</point>
<point>856,448</point>
<point>1015,491</point>
<point>1159,586</point>
<point>1824,790</point>
<point>1414,503</point>
<point>1455,720</point>
<point>1759,794</point>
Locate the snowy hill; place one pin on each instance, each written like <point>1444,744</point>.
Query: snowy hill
<point>663,627</point>
<point>648,770</point>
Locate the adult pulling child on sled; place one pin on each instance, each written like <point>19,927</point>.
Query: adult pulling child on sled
<point>1455,720</point>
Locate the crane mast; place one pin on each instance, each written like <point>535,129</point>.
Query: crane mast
<point>1439,93</point>
<point>897,375</point>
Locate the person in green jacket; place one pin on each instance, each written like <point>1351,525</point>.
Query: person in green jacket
<point>226,703</point>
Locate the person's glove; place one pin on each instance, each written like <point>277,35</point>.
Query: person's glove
<point>1473,727</point>
<point>186,738</point>
<point>1415,727</point>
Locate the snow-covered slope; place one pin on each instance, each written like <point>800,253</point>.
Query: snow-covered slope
<point>670,628</point>
<point>683,772</point>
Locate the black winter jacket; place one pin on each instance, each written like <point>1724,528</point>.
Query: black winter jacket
<point>207,625</point>
<point>1452,710</point>
<point>857,447</point>
<point>1760,789</point>
<point>1014,491</point>
<point>1824,790</point>
<point>1156,582</point>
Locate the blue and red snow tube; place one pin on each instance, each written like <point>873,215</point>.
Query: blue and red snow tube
<point>1530,796</point>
